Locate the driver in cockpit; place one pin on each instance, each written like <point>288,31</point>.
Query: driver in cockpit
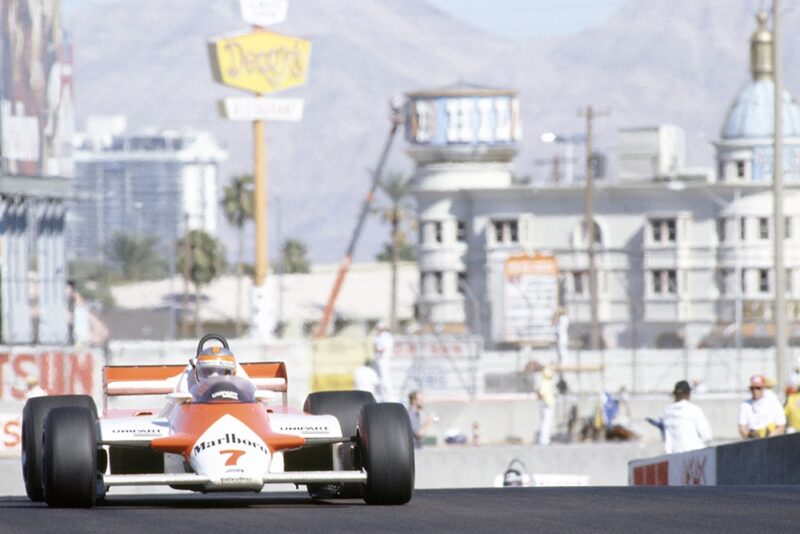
<point>210,363</point>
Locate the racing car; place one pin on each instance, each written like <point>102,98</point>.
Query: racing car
<point>226,433</point>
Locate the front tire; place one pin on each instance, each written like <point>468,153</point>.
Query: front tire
<point>387,453</point>
<point>345,406</point>
<point>33,417</point>
<point>69,469</point>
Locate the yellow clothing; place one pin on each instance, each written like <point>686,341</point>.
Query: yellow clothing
<point>792,410</point>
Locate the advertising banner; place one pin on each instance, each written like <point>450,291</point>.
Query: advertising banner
<point>264,12</point>
<point>260,61</point>
<point>36,107</point>
<point>530,299</point>
<point>257,108</point>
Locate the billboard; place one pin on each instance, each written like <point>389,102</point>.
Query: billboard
<point>490,118</point>
<point>260,61</point>
<point>36,106</point>
<point>530,299</point>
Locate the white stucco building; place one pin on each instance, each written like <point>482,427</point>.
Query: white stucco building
<point>677,251</point>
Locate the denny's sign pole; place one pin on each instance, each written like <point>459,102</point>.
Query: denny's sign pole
<point>261,62</point>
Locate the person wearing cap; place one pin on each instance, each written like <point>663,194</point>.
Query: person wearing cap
<point>684,424</point>
<point>762,414</point>
<point>547,401</point>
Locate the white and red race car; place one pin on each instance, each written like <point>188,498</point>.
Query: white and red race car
<point>224,434</point>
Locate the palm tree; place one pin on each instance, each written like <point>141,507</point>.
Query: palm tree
<point>397,188</point>
<point>202,259</point>
<point>295,257</point>
<point>237,202</point>
<point>136,257</point>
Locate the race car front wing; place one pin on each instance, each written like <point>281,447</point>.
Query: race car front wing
<point>191,479</point>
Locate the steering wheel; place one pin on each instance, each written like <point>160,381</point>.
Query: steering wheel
<point>208,337</point>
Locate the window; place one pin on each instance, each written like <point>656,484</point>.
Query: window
<point>787,233</point>
<point>656,226</point>
<point>743,228</point>
<point>506,231</point>
<point>723,278</point>
<point>432,232</point>
<point>664,230</point>
<point>437,232</point>
<point>763,280</point>
<point>580,282</point>
<point>664,281</point>
<point>721,230</point>
<point>740,169</point>
<point>432,283</point>
<point>461,231</point>
<point>763,228</point>
<point>462,282</point>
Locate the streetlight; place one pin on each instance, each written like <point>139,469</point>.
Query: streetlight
<point>569,142</point>
<point>677,186</point>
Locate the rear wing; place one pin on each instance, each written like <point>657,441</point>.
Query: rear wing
<point>162,379</point>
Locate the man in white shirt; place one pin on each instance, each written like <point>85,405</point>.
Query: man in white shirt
<point>365,378</point>
<point>383,346</point>
<point>761,415</point>
<point>685,426</point>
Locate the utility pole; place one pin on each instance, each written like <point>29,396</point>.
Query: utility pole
<point>777,199</point>
<point>594,333</point>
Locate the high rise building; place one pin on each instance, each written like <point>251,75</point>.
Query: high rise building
<point>153,183</point>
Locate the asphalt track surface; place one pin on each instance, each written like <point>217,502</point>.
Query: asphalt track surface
<point>588,509</point>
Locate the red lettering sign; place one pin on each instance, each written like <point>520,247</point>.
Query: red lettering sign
<point>11,433</point>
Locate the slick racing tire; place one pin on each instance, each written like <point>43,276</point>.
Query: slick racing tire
<point>69,467</point>
<point>33,416</point>
<point>387,453</point>
<point>345,406</point>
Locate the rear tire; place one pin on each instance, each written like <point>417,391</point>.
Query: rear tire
<point>69,469</point>
<point>387,452</point>
<point>33,416</point>
<point>345,406</point>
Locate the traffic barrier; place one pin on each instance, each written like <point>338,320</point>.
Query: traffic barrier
<point>751,462</point>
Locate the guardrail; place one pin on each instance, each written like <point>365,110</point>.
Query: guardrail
<point>757,461</point>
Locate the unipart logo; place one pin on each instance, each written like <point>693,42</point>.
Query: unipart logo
<point>229,439</point>
<point>305,429</point>
<point>225,395</point>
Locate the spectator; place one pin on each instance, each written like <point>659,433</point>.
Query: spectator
<point>762,415</point>
<point>685,426</point>
<point>792,411</point>
<point>547,401</point>
<point>418,428</point>
<point>383,345</point>
<point>365,377</point>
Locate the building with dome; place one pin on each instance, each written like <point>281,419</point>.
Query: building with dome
<point>683,257</point>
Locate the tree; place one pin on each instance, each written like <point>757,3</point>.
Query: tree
<point>405,251</point>
<point>237,202</point>
<point>135,257</point>
<point>295,257</point>
<point>92,281</point>
<point>397,188</point>
<point>201,259</point>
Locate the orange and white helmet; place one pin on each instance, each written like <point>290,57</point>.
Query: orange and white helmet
<point>213,362</point>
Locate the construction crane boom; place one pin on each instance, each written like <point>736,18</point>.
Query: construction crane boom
<point>397,119</point>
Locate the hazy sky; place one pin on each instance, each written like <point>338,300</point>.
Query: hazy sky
<point>510,18</point>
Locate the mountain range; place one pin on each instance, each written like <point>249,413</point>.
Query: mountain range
<point>653,61</point>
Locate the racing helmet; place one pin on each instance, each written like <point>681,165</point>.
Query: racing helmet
<point>214,362</point>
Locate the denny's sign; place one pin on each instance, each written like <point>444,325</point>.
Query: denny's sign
<point>260,61</point>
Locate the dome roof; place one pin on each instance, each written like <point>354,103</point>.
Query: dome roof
<point>752,115</point>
